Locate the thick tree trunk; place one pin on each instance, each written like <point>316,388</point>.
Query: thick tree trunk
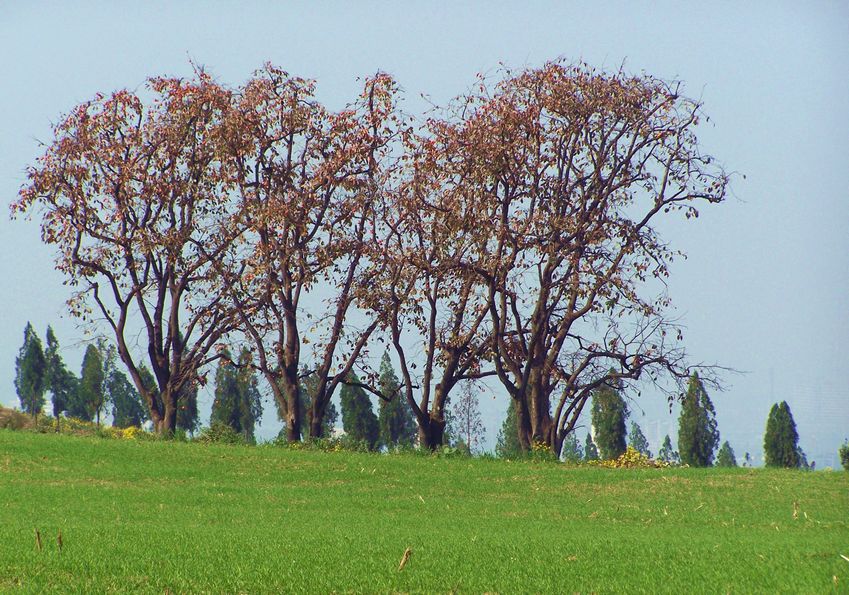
<point>168,422</point>
<point>432,434</point>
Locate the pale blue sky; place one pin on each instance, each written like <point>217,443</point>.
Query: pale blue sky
<point>766,286</point>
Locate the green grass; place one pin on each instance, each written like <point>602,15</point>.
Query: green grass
<point>158,517</point>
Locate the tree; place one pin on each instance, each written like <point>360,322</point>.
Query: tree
<point>781,441</point>
<point>188,416</point>
<point>358,418</point>
<point>31,373</point>
<point>237,398</point>
<point>507,445</point>
<point>397,425</point>
<point>311,182</point>
<point>142,213</point>
<point>570,170</point>
<point>466,423</point>
<point>590,450</point>
<point>666,453</point>
<point>609,413</point>
<point>698,436</point>
<point>60,381</point>
<point>92,393</point>
<point>572,451</point>
<point>725,457</point>
<point>127,407</point>
<point>637,440</point>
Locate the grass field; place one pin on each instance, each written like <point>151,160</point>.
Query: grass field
<point>176,517</point>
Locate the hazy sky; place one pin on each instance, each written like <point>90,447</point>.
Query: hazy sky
<point>765,289</point>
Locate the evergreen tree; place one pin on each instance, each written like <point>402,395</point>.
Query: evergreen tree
<point>308,386</point>
<point>188,417</point>
<point>237,401</point>
<point>127,407</point>
<point>637,440</point>
<point>698,436</point>
<point>31,373</point>
<point>609,413</point>
<point>464,423</point>
<point>397,425</point>
<point>358,418</point>
<point>666,453</point>
<point>781,441</point>
<point>590,450</point>
<point>747,460</point>
<point>725,457</point>
<point>60,381</point>
<point>507,444</point>
<point>572,451</point>
<point>91,392</point>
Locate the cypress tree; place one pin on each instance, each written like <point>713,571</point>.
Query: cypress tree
<point>590,450</point>
<point>725,457</point>
<point>507,444</point>
<point>61,382</point>
<point>666,453</point>
<point>698,436</point>
<point>609,413</point>
<point>188,417</point>
<point>358,418</point>
<point>237,398</point>
<point>397,426</point>
<point>31,373</point>
<point>127,407</point>
<point>781,441</point>
<point>637,440</point>
<point>91,392</point>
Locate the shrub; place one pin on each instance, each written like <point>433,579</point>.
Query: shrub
<point>219,433</point>
<point>632,459</point>
<point>14,420</point>
<point>844,455</point>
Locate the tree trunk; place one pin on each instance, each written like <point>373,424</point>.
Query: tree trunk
<point>432,434</point>
<point>168,422</point>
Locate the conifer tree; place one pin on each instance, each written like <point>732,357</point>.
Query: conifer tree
<point>507,444</point>
<point>464,424</point>
<point>358,417</point>
<point>572,451</point>
<point>725,457</point>
<point>61,382</point>
<point>92,394</point>
<point>698,436</point>
<point>397,425</point>
<point>637,440</point>
<point>609,413</point>
<point>188,416</point>
<point>666,453</point>
<point>127,407</point>
<point>590,450</point>
<point>31,373</point>
<point>237,401</point>
<point>781,441</point>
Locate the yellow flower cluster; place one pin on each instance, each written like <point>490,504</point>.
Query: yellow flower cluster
<point>632,459</point>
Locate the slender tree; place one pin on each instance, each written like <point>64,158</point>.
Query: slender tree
<point>188,416</point>
<point>609,413</point>
<point>358,417</point>
<point>725,457</point>
<point>61,382</point>
<point>698,436</point>
<point>781,441</point>
<point>637,440</point>
<point>507,445</point>
<point>92,391</point>
<point>466,423</point>
<point>237,398</point>
<point>666,452</point>
<point>31,373</point>
<point>590,450</point>
<point>127,407</point>
<point>397,425</point>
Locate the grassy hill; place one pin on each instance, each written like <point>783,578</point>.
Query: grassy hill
<point>177,517</point>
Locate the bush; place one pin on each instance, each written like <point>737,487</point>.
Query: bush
<point>844,455</point>
<point>219,433</point>
<point>632,459</point>
<point>12,419</point>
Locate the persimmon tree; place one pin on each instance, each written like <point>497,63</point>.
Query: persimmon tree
<point>127,193</point>
<point>310,181</point>
<point>571,170</point>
